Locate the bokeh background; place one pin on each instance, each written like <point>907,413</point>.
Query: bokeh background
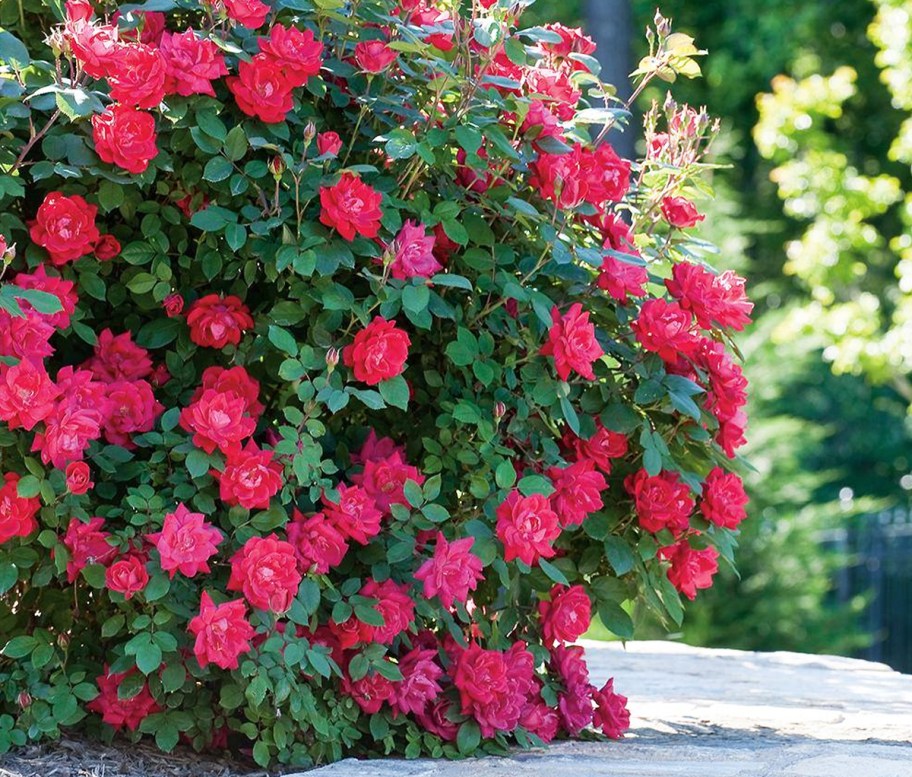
<point>814,206</point>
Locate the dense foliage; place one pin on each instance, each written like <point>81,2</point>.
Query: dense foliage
<point>345,370</point>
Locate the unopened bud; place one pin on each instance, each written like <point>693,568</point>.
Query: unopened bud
<point>24,700</point>
<point>662,25</point>
<point>57,42</point>
<point>63,640</point>
<point>7,252</point>
<point>500,410</point>
<point>276,166</point>
<point>332,358</point>
<point>310,132</point>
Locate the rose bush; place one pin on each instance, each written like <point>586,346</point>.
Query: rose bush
<point>345,373</point>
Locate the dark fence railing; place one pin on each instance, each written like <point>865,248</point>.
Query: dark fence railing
<point>878,549</point>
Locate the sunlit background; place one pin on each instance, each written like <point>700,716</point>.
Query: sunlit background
<point>815,209</point>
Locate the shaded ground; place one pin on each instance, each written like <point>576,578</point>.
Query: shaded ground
<point>712,713</point>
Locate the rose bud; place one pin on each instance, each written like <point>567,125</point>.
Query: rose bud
<point>276,166</point>
<point>173,305</point>
<point>332,358</point>
<point>24,700</point>
<point>310,132</point>
<point>500,410</point>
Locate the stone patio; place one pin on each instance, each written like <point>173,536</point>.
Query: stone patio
<point>718,713</point>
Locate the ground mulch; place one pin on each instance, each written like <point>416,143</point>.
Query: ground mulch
<point>83,758</point>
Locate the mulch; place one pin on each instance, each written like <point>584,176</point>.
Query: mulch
<point>83,758</point>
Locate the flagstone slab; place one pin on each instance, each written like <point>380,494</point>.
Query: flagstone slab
<point>717,713</point>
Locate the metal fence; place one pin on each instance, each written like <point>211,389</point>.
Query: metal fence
<point>879,552</point>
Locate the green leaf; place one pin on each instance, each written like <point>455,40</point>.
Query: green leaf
<point>505,474</point>
<point>211,124</point>
<point>283,340</point>
<point>158,586</point>
<point>197,462</point>
<point>28,486</point>
<point>9,576</point>
<point>468,738</point>
<point>416,298</point>
<point>159,333</point>
<point>235,145</point>
<point>620,555</point>
<point>94,575</point>
<point>173,677</point>
<point>553,572</point>
<point>379,727</point>
<point>217,169</point>
<point>400,144</point>
<point>261,753</point>
<point>77,103</point>
<point>395,392</point>
<point>616,619</point>
<point>19,647</point>
<point>13,51</point>
<point>148,657</point>
<point>435,513</point>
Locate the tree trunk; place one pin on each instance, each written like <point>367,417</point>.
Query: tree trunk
<point>610,24</point>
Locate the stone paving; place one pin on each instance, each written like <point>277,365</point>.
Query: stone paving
<point>717,713</point>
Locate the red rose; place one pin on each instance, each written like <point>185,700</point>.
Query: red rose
<point>351,632</point>
<point>351,207</point>
<point>374,56</point>
<point>665,328</point>
<point>384,480</point>
<point>65,227</point>
<point>218,419</point>
<point>173,305</point>
<point>127,575</point>
<point>611,714</point>
<point>329,143</point>
<point>560,179</point>
<point>494,686</point>
<point>251,478</point>
<point>117,712</point>
<point>394,604</point>
<point>572,343</point>
<point>378,352</point>
<point>577,491</point>
<point>52,284</point>
<point>262,90</point>
<point>87,544</point>
<point>607,175</point>
<point>94,46</point>
<point>107,248</point>
<point>575,703</point>
<point>354,514</point>
<point>527,527</point>
<point>690,569</point>
<point>724,499</point>
<point>452,572</point>
<point>711,298</point>
<point>215,321</point>
<point>662,501</point>
<point>17,514</point>
<point>266,570</point>
<point>680,212</point>
<point>419,686</point>
<point>602,448</point>
<point>132,409</point>
<point>318,544</point>
<point>27,394</point>
<point>622,279</point>
<point>222,633</point>
<point>191,63</point>
<point>369,692</point>
<point>138,76</point>
<point>567,616</point>
<point>67,433</point>
<point>186,542</point>
<point>117,358</point>
<point>248,13</point>
<point>78,478</point>
<point>294,51</point>
<point>413,253</point>
<point>235,380</point>
<point>125,137</point>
